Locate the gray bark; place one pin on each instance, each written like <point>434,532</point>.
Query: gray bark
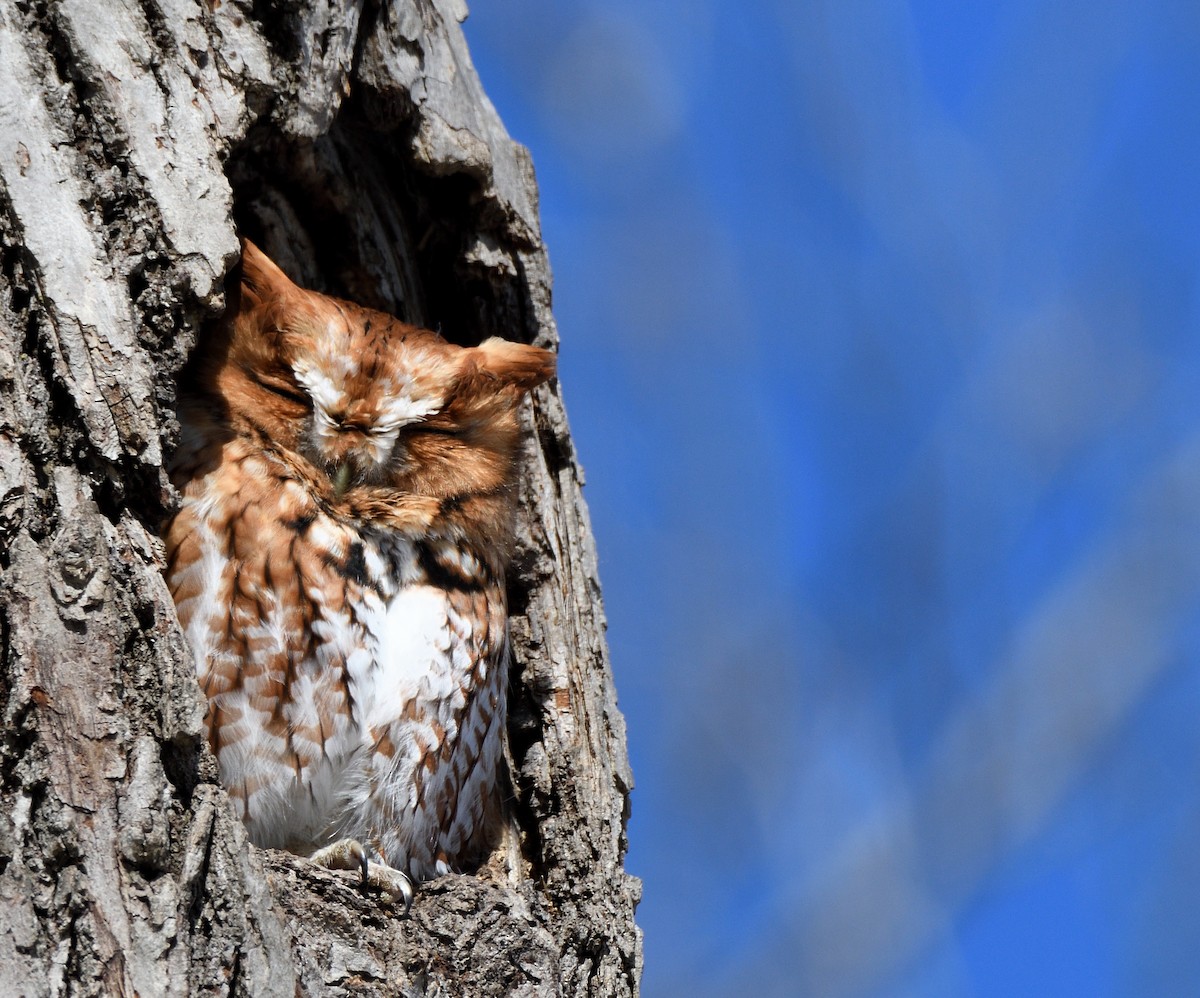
<point>354,140</point>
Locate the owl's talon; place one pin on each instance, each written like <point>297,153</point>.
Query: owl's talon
<point>350,854</point>
<point>392,882</point>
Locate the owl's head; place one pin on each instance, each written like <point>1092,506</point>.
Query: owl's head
<point>367,399</point>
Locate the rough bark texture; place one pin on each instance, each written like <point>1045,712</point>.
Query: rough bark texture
<point>353,139</point>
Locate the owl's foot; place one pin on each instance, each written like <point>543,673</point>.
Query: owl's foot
<point>391,881</point>
<point>350,854</point>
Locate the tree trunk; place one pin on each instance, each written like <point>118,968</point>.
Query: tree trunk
<point>354,142</point>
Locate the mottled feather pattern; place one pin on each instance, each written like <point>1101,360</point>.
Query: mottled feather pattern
<point>338,568</point>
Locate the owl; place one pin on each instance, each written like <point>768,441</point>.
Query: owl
<point>338,568</point>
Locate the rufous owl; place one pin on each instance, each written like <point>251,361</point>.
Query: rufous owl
<point>338,563</point>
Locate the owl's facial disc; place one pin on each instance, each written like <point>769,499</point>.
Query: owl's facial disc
<point>363,395</point>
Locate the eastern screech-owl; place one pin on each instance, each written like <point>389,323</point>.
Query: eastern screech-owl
<point>338,568</point>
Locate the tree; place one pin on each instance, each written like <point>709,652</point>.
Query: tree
<point>354,140</point>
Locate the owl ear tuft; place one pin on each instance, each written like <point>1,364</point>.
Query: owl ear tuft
<point>262,280</point>
<point>518,364</point>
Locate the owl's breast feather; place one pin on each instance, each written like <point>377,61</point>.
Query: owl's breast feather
<point>414,656</point>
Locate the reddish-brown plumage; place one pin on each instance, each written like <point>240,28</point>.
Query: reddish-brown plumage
<point>338,565</point>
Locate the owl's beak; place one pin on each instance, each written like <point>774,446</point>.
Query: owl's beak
<point>341,479</point>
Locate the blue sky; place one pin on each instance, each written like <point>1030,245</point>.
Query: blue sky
<point>880,349</point>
